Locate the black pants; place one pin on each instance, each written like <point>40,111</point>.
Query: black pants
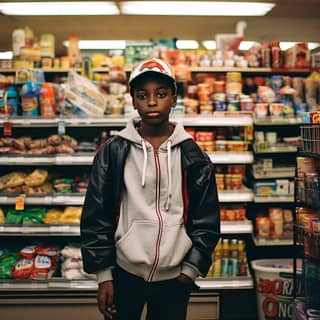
<point>165,300</point>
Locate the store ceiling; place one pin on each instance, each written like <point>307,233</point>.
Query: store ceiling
<point>290,20</point>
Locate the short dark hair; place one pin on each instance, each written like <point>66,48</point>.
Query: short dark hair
<point>153,76</point>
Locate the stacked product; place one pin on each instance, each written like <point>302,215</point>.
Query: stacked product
<point>72,265</point>
<point>276,223</point>
<point>229,259</point>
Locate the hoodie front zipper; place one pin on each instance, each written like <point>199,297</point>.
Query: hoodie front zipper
<point>159,216</point>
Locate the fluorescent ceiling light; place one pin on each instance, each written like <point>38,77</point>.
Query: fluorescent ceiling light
<point>59,8</point>
<point>193,8</point>
<point>286,45</point>
<point>187,44</point>
<point>209,44</point>
<point>6,55</point>
<point>99,44</point>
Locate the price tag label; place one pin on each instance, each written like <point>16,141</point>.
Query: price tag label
<point>7,129</point>
<point>20,202</point>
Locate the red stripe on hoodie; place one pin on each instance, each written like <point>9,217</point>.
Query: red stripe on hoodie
<point>185,197</point>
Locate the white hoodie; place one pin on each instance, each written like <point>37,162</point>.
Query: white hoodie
<point>151,240</point>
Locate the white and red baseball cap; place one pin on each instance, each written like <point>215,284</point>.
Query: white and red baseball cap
<point>152,65</point>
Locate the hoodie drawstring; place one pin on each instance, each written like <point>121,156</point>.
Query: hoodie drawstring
<point>145,159</point>
<point>169,176</point>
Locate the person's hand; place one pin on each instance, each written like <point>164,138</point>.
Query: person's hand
<point>105,299</point>
<point>184,279</point>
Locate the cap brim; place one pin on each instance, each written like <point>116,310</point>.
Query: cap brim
<point>150,72</point>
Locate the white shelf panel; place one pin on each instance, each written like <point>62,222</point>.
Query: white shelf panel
<point>270,121</point>
<point>273,199</point>
<point>68,200</point>
<point>242,195</point>
<point>217,120</point>
<point>231,157</point>
<point>236,227</point>
<point>275,173</point>
<point>26,160</point>
<point>225,283</point>
<point>278,149</point>
<point>40,229</point>
<point>272,242</point>
<point>229,69</point>
<point>74,159</point>
<point>51,285</point>
<point>62,159</point>
<point>61,284</point>
<point>46,200</point>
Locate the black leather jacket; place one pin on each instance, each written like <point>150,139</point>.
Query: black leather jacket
<point>101,208</point>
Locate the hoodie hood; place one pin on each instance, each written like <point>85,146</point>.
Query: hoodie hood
<point>178,135</point>
<point>131,133</point>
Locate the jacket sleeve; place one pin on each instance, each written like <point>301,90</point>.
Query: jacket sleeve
<point>203,225</point>
<point>98,219</point>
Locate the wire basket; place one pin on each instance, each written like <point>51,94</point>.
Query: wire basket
<point>310,138</point>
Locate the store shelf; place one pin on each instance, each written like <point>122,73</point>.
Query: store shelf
<point>233,283</point>
<point>277,149</point>
<point>273,199</point>
<point>231,157</point>
<point>45,230</point>
<point>68,285</point>
<point>272,242</point>
<point>87,159</point>
<point>281,121</point>
<point>72,199</point>
<point>78,121</point>
<point>227,227</point>
<point>218,119</point>
<point>51,160</point>
<point>51,70</point>
<point>192,69</point>
<point>274,173</point>
<point>242,195</point>
<point>51,285</point>
<point>236,227</point>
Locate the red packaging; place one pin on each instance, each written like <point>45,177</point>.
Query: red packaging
<point>29,252</point>
<point>42,265</point>
<point>22,269</point>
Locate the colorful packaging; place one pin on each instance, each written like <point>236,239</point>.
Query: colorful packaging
<point>29,99</point>
<point>47,100</point>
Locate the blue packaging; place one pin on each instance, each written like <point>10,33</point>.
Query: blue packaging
<point>29,99</point>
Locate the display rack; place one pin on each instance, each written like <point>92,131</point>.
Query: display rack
<point>306,304</point>
<point>78,160</point>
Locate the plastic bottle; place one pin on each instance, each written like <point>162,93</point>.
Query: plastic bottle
<point>29,99</point>
<point>217,255</point>
<point>18,41</point>
<point>225,257</point>
<point>233,261</point>
<point>47,100</point>
<point>275,54</point>
<point>12,101</point>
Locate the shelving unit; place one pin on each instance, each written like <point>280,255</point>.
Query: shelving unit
<point>74,289</point>
<point>306,304</point>
<point>85,159</point>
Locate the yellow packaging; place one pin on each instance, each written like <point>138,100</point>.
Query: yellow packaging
<point>47,45</point>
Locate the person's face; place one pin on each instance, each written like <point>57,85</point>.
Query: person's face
<point>153,100</point>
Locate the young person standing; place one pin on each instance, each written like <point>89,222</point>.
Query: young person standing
<point>151,215</point>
